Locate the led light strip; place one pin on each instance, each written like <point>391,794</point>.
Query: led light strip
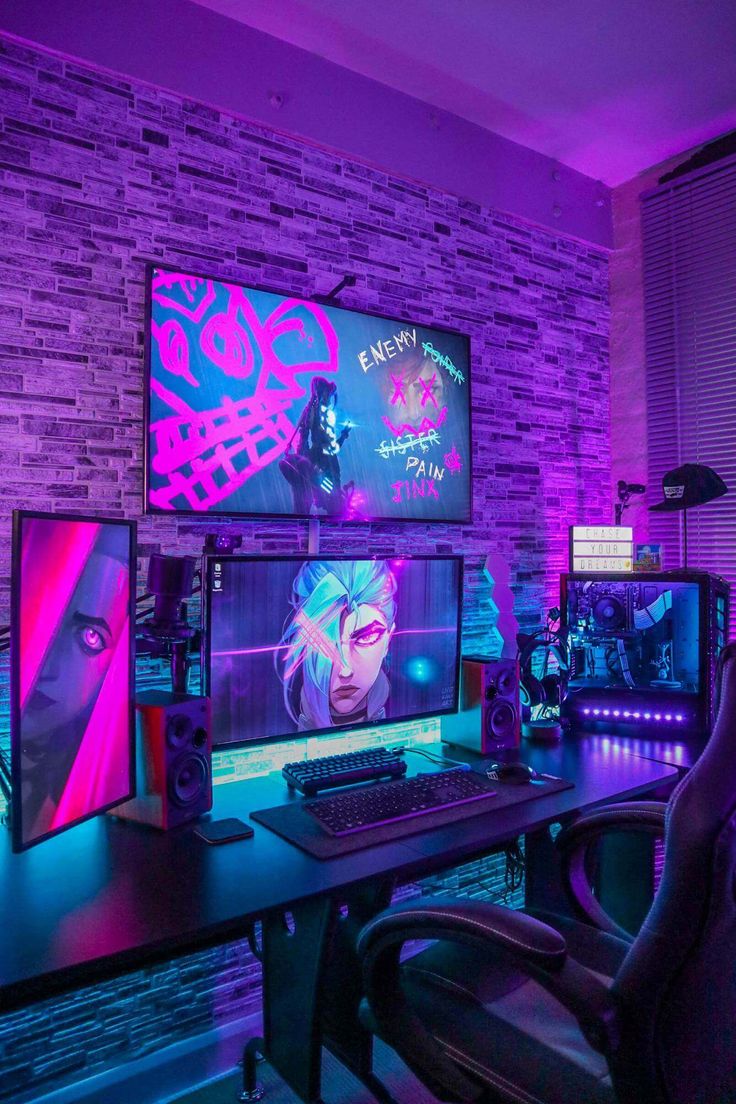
<point>633,714</point>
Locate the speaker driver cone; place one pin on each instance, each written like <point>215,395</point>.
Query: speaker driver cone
<point>506,682</point>
<point>501,719</point>
<point>188,779</point>
<point>178,730</point>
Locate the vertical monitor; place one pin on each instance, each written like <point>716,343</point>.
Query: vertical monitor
<point>319,644</point>
<point>72,670</point>
<point>264,403</point>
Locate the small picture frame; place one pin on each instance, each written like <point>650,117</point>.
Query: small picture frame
<point>648,557</point>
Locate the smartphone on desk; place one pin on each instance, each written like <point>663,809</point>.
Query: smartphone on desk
<point>223,831</point>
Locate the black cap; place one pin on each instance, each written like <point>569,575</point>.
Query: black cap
<point>690,485</point>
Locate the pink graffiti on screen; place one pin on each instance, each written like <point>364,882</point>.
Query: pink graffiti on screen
<point>453,461</point>
<point>64,565</point>
<point>427,392</point>
<point>198,293</point>
<point>310,636</point>
<point>174,349</point>
<point>205,456</point>
<point>226,342</point>
<point>398,395</point>
<point>425,425</point>
<point>418,488</point>
<point>325,648</point>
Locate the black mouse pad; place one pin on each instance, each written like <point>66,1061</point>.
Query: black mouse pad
<point>293,823</point>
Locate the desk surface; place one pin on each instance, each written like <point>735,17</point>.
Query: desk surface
<point>110,896</point>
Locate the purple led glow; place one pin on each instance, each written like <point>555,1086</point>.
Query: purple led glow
<point>633,715</point>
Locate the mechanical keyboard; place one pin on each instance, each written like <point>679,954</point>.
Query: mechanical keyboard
<point>372,764</point>
<point>387,802</point>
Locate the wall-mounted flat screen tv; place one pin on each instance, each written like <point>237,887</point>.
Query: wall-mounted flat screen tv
<point>267,404</point>
<point>72,673</point>
<point>297,646</point>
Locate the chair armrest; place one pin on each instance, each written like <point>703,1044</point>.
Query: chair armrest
<point>513,932</point>
<point>576,842</point>
<point>533,947</point>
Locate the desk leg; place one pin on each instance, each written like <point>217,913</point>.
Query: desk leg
<point>344,1035</point>
<point>543,885</point>
<point>293,957</point>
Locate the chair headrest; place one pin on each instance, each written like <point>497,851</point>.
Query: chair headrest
<point>728,653</point>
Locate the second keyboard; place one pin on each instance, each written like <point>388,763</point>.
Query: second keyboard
<point>309,776</point>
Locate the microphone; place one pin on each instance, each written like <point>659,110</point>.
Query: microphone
<point>630,488</point>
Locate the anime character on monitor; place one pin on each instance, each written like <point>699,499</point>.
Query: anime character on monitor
<point>334,665</point>
<point>74,684</point>
<point>311,463</point>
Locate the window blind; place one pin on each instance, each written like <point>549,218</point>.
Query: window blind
<point>689,260</point>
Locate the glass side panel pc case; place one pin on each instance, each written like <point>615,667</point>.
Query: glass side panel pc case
<point>72,688</point>
<point>644,648</point>
<point>318,644</point>
<point>264,403</point>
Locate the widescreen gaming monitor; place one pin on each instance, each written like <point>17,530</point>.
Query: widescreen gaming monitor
<point>261,403</point>
<point>72,688</point>
<point>319,644</point>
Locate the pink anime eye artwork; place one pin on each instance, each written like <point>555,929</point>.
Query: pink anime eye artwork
<point>267,404</point>
<point>73,672</point>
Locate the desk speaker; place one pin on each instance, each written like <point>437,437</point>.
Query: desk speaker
<point>173,760</point>
<point>489,717</point>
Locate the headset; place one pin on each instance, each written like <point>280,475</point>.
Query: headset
<point>551,689</point>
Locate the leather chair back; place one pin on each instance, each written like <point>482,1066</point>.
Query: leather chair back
<point>677,984</point>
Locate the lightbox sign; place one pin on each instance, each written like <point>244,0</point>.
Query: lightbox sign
<point>603,548</point>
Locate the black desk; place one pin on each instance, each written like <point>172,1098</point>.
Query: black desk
<point>109,897</point>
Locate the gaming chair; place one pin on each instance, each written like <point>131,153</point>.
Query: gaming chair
<point>507,1006</point>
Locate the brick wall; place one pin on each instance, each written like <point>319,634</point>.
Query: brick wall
<point>99,175</point>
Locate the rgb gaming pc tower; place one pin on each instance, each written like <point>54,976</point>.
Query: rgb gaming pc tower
<point>644,648</point>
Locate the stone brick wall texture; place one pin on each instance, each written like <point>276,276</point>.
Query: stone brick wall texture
<point>99,175</point>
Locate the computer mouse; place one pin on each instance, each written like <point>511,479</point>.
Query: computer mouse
<point>515,773</point>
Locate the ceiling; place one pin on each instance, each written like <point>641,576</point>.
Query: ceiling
<point>608,87</point>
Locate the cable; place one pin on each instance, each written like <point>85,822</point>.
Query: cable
<point>400,749</point>
<point>515,867</point>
